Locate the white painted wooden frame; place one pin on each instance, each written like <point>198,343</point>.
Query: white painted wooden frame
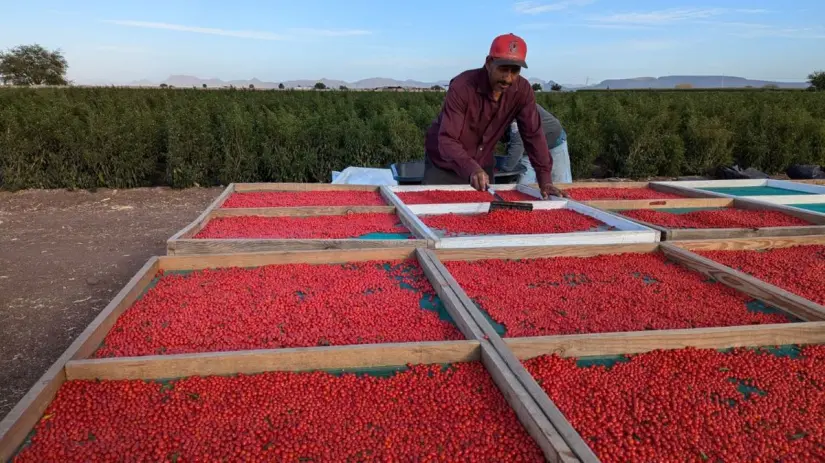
<point>627,231</point>
<point>804,189</point>
<point>389,192</point>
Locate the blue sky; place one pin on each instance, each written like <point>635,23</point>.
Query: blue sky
<point>569,41</point>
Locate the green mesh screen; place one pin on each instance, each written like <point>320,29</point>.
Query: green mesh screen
<point>385,236</point>
<point>811,207</point>
<point>755,191</point>
<point>608,361</point>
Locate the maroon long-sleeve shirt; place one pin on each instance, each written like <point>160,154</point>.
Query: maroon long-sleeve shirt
<point>464,136</point>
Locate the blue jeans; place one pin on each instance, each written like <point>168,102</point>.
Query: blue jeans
<point>561,167</point>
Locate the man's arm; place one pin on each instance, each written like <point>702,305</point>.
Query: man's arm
<point>535,143</point>
<point>449,133</point>
<point>515,149</point>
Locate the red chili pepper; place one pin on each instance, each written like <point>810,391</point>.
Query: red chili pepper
<point>694,405</point>
<point>315,227</point>
<point>426,413</point>
<point>303,198</point>
<point>274,306</point>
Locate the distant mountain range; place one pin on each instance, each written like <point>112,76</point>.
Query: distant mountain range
<point>379,82</point>
<point>692,81</point>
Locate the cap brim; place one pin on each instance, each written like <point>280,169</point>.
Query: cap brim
<point>509,62</point>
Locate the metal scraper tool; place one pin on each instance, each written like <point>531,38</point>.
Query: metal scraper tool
<point>501,204</point>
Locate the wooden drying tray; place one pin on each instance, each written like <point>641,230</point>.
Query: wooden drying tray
<point>812,314</point>
<point>684,248</point>
<point>23,417</point>
<point>626,231</point>
<point>17,426</point>
<point>185,243</point>
<point>669,234</point>
<point>694,187</point>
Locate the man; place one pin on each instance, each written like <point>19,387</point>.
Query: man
<point>478,109</point>
<point>556,142</point>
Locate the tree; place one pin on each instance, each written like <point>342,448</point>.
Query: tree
<point>537,87</point>
<point>281,86</point>
<point>555,87</point>
<point>33,65</point>
<point>320,86</point>
<point>817,80</point>
<point>436,88</point>
<point>252,86</point>
<point>204,85</point>
<point>342,87</point>
<point>163,85</point>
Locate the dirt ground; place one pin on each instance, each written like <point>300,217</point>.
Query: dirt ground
<point>63,256</point>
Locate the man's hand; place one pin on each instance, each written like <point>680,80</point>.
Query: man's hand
<point>479,180</point>
<point>548,189</point>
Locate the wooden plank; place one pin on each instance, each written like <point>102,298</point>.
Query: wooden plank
<point>568,186</point>
<point>636,342</point>
<point>676,189</point>
<point>553,446</point>
<point>188,247</point>
<point>24,416</point>
<point>674,234</point>
<point>287,359</point>
<point>96,331</point>
<point>715,183</point>
<point>281,257</point>
<point>465,323</point>
<point>416,188</point>
<point>630,204</point>
<point>550,410</point>
<point>304,211</point>
<point>409,219</point>
<point>746,244</point>
<point>250,187</point>
<point>770,294</point>
<point>197,224</point>
<point>816,218</point>
<point>445,255</point>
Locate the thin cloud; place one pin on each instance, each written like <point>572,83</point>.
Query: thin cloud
<point>255,35</point>
<point>539,8</point>
<point>330,32</point>
<point>759,30</point>
<point>120,49</point>
<point>669,16</point>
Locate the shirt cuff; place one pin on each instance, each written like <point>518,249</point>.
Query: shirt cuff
<point>469,169</point>
<point>543,177</point>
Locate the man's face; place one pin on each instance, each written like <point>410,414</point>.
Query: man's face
<point>501,77</point>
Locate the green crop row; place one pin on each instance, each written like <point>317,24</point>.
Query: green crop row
<point>116,137</point>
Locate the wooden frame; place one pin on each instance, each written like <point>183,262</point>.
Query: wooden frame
<point>184,243</point>
<point>662,188</point>
<point>695,186</point>
<point>513,350</point>
<point>76,364</point>
<point>786,297</point>
<point>13,432</point>
<point>670,234</point>
<point>639,342</point>
<point>793,201</point>
<point>217,204</point>
<point>627,230</point>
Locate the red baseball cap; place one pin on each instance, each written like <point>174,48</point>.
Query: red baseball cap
<point>509,50</point>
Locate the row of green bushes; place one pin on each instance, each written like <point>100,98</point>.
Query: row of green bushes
<point>115,137</point>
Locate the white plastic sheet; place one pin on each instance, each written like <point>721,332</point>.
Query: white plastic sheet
<point>363,176</point>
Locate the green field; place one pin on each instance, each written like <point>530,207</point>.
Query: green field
<point>118,137</point>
